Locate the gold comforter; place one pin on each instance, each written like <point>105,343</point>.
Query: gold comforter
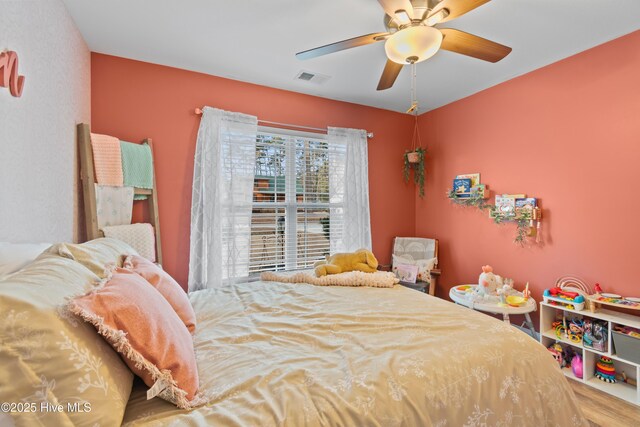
<point>275,354</point>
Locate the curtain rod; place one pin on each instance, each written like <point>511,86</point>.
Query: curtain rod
<point>198,111</point>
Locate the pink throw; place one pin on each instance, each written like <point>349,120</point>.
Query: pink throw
<point>106,159</point>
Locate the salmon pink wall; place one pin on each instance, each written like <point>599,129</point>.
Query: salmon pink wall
<point>569,134</point>
<point>133,100</point>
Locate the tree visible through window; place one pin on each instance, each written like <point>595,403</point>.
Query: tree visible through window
<point>293,217</point>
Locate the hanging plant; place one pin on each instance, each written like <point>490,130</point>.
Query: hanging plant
<point>414,159</point>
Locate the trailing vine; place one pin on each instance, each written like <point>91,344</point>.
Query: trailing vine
<point>418,169</point>
<point>476,200</point>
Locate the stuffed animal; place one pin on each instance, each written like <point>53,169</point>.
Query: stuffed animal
<point>488,283</point>
<point>360,260</point>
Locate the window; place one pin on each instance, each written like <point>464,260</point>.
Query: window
<point>297,209</point>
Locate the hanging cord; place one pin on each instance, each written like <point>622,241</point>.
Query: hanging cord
<point>415,141</point>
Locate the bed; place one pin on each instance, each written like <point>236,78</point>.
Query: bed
<point>275,354</point>
<point>278,354</point>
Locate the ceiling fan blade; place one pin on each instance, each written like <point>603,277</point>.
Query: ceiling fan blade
<point>470,45</point>
<point>391,6</point>
<point>389,75</point>
<point>342,45</point>
<point>456,8</point>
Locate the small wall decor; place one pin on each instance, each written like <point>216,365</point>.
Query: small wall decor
<point>524,211</point>
<point>9,73</point>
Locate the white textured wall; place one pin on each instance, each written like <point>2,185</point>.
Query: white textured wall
<point>38,171</point>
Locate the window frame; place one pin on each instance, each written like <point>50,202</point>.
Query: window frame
<point>290,205</point>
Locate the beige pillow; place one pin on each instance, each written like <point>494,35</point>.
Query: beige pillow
<point>50,358</point>
<point>424,266</point>
<point>97,255</point>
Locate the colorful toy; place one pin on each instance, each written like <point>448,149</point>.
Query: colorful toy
<point>516,301</point>
<point>595,334</point>
<point>360,260</point>
<point>570,300</point>
<point>575,331</point>
<point>625,379</point>
<point>488,283</point>
<point>605,370</point>
<point>560,329</point>
<point>597,288</point>
<point>557,352</point>
<point>577,366</point>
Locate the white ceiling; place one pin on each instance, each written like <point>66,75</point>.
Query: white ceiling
<point>256,40</point>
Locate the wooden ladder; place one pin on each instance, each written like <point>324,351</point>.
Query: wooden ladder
<point>89,191</point>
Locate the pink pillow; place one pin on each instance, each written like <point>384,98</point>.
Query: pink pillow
<point>166,285</point>
<point>141,325</point>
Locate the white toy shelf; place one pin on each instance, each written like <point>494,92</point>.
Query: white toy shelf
<point>625,391</point>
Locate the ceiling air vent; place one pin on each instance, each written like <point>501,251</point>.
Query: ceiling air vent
<point>315,78</point>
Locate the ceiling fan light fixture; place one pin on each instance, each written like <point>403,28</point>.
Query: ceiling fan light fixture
<point>402,17</point>
<point>436,17</point>
<point>419,42</point>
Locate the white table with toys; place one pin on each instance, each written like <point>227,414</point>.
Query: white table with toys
<point>496,295</point>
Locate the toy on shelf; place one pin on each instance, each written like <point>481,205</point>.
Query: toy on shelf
<point>625,379</point>
<point>613,300</point>
<point>560,329</point>
<point>577,366</point>
<point>567,299</point>
<point>595,334</point>
<point>557,352</point>
<point>575,331</point>
<point>605,370</point>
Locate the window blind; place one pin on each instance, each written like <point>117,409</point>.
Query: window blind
<point>297,214</point>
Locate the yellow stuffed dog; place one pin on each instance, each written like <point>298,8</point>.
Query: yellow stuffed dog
<point>360,260</point>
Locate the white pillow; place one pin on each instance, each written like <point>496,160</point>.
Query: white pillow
<point>424,266</point>
<point>15,256</point>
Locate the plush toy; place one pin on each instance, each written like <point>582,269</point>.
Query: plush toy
<point>488,283</point>
<point>360,260</point>
<point>557,352</point>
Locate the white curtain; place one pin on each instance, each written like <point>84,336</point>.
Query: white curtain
<point>222,194</point>
<point>349,186</point>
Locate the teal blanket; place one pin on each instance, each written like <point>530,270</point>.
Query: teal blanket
<point>137,166</point>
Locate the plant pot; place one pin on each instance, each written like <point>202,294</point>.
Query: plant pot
<point>413,157</point>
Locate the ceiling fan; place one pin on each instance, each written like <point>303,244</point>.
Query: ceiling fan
<point>412,35</point>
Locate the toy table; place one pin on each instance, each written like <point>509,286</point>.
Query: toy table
<point>494,308</point>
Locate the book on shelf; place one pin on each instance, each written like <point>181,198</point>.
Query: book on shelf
<point>505,205</point>
<point>478,190</point>
<point>474,177</point>
<point>462,187</point>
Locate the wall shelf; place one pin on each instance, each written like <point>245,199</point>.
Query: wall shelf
<point>622,390</point>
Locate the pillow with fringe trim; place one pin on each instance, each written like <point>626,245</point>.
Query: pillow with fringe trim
<point>166,285</point>
<point>141,325</point>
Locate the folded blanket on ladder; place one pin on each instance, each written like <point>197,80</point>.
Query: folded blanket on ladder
<point>113,205</point>
<point>106,159</point>
<point>139,236</point>
<point>137,166</point>
<point>379,279</point>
